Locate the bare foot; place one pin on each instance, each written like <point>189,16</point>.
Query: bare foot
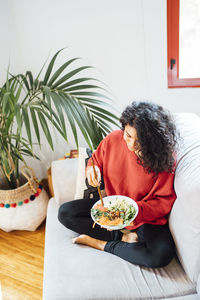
<point>89,241</point>
<point>131,237</point>
<point>81,239</point>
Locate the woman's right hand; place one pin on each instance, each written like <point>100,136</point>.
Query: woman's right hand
<point>91,176</point>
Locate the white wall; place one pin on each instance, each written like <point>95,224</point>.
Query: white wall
<point>126,42</point>
<point>9,52</point>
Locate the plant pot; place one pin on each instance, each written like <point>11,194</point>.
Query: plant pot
<point>23,208</point>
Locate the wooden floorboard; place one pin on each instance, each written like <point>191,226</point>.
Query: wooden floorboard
<point>21,261</point>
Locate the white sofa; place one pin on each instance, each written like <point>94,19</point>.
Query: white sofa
<point>76,272</point>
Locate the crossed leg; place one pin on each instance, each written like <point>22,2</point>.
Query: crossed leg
<point>150,245</point>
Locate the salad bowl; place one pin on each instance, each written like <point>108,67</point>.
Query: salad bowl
<point>117,213</point>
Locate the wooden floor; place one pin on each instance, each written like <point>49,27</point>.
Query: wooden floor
<point>21,264</point>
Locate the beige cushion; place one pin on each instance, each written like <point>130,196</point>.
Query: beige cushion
<point>80,178</point>
<point>64,173</point>
<point>184,219</point>
<point>68,177</point>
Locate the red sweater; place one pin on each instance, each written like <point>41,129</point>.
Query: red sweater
<point>124,176</point>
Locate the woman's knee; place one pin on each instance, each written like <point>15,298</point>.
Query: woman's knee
<point>160,262</point>
<point>64,213</point>
<point>161,258</point>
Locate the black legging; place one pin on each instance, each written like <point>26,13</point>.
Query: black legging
<point>155,246</point>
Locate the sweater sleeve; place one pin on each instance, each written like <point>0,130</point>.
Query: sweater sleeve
<point>159,201</point>
<point>98,155</point>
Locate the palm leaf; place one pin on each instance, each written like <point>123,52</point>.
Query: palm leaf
<point>35,124</point>
<point>93,94</point>
<point>80,120</point>
<point>45,129</point>
<point>78,108</point>
<point>104,111</point>
<point>104,117</point>
<point>106,127</point>
<point>18,117</point>
<point>93,101</point>
<point>30,78</point>
<point>69,75</point>
<point>25,82</point>
<point>18,92</point>
<point>9,122</point>
<point>48,97</point>
<point>5,165</point>
<point>29,153</point>
<point>74,82</point>
<point>27,124</point>
<point>52,113</point>
<point>50,67</point>
<point>60,70</point>
<point>74,114</point>
<point>58,106</point>
<point>70,118</point>
<point>5,101</point>
<point>13,82</point>
<point>82,87</point>
<point>98,132</point>
<point>54,123</point>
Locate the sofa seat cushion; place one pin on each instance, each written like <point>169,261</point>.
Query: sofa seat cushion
<point>73,271</point>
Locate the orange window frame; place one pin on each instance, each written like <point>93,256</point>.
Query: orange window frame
<point>173,49</point>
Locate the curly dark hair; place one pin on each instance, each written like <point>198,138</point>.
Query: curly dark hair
<point>156,133</point>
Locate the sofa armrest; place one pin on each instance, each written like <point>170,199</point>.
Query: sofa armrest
<point>184,219</point>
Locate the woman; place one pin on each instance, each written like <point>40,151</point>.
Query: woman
<point>136,161</point>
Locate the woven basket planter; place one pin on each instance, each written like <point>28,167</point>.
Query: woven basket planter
<point>23,208</point>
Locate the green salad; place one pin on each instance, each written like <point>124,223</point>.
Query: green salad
<point>116,213</point>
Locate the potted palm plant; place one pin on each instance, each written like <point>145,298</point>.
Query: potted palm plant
<point>28,105</point>
<point>34,103</point>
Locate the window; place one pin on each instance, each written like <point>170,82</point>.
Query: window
<point>183,40</point>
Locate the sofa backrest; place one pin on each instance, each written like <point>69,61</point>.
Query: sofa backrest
<point>184,220</point>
